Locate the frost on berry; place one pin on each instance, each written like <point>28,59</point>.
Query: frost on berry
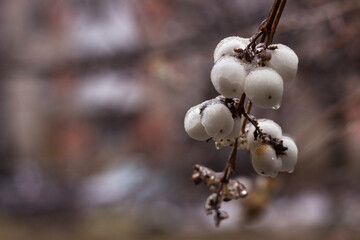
<point>229,140</point>
<point>193,126</point>
<point>289,159</point>
<point>236,131</point>
<point>264,87</point>
<point>267,126</point>
<point>264,161</point>
<point>217,120</point>
<point>226,46</point>
<point>228,76</point>
<point>284,61</point>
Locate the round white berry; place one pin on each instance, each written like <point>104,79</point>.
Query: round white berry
<point>217,120</point>
<point>193,126</point>
<point>267,126</point>
<point>236,129</point>
<point>264,87</point>
<point>226,46</point>
<point>284,61</point>
<point>264,161</point>
<point>289,160</point>
<point>227,76</point>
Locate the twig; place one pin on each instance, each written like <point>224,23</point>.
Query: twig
<point>229,168</point>
<point>268,28</point>
<point>275,23</point>
<point>248,109</point>
<point>230,164</point>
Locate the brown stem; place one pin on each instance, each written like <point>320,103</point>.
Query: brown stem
<point>248,109</point>
<point>275,23</point>
<point>271,17</point>
<point>267,29</point>
<point>251,119</point>
<point>242,101</point>
<point>229,168</point>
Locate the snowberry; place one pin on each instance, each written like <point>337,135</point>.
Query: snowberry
<point>267,126</point>
<point>229,140</point>
<point>193,125</point>
<point>226,46</point>
<point>217,120</point>
<point>264,87</point>
<point>264,161</point>
<point>290,158</point>
<point>236,129</point>
<point>284,61</point>
<point>228,76</point>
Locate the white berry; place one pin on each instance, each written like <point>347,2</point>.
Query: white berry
<point>264,87</point>
<point>284,61</point>
<point>236,129</point>
<point>226,46</point>
<point>267,126</point>
<point>217,120</point>
<point>193,126</point>
<point>264,161</point>
<point>289,160</point>
<point>227,76</point>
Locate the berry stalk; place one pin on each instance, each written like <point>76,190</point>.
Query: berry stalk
<point>268,27</point>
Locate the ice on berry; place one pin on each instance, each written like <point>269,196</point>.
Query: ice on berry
<point>284,61</point>
<point>221,142</point>
<point>264,161</point>
<point>229,140</point>
<point>264,87</point>
<point>290,158</point>
<point>236,129</point>
<point>226,46</point>
<point>193,126</point>
<point>217,120</point>
<point>227,76</point>
<point>267,126</point>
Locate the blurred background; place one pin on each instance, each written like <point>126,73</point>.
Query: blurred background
<point>93,97</point>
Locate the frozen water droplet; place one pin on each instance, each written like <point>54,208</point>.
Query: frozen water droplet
<point>243,193</point>
<point>276,107</point>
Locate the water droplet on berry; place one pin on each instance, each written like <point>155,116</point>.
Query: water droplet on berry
<point>276,107</point>
<point>244,193</point>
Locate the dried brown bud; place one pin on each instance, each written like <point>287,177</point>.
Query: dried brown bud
<point>265,56</point>
<point>196,178</point>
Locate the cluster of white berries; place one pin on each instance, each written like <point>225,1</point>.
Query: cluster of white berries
<point>261,79</point>
<point>260,73</point>
<point>213,119</point>
<point>264,158</point>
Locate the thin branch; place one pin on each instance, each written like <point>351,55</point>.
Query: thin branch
<point>275,23</point>
<point>268,28</point>
<point>268,25</point>
<point>248,109</point>
<point>229,168</point>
